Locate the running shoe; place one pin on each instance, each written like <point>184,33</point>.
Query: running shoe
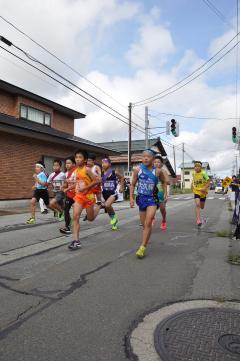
<point>74,245</point>
<point>45,211</point>
<point>163,226</point>
<point>114,220</point>
<point>141,252</point>
<point>61,216</point>
<point>115,228</point>
<point>31,220</point>
<point>84,218</point>
<point>65,230</point>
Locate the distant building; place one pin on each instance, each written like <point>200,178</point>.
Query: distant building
<point>188,172</point>
<point>33,128</point>
<point>138,146</point>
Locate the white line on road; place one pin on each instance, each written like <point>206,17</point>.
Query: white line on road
<point>209,198</point>
<point>40,247</point>
<point>34,249</point>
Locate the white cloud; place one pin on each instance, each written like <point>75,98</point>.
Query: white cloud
<point>154,45</point>
<point>76,24</point>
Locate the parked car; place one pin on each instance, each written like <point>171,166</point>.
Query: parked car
<point>219,189</point>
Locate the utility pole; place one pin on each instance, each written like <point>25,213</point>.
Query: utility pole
<point>236,164</point>
<point>174,158</point>
<point>183,168</point>
<point>146,127</point>
<point>129,136</point>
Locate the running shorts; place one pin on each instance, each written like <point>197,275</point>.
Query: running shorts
<point>60,198</point>
<point>144,202</point>
<point>106,195</point>
<point>86,200</point>
<point>202,199</point>
<point>41,193</point>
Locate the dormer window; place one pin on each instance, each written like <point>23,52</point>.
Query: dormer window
<point>35,115</point>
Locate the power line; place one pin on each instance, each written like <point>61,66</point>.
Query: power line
<point>59,59</point>
<point>217,12</point>
<point>191,80</point>
<point>144,101</point>
<point>65,64</point>
<point>67,80</point>
<point>190,117</point>
<point>68,87</point>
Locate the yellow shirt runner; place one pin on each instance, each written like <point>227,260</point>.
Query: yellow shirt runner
<point>200,180</point>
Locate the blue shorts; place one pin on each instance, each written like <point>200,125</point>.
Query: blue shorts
<point>144,202</point>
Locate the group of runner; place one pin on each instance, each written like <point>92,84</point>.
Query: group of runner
<point>87,187</point>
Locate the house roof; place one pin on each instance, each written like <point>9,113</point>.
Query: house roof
<point>190,165</point>
<point>137,145</point>
<point>13,89</point>
<point>29,128</point>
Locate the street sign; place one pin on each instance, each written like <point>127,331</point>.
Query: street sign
<point>226,182</point>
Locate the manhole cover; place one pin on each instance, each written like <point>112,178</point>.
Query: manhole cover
<point>203,334</point>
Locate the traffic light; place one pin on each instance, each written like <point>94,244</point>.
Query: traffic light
<point>174,128</point>
<point>234,135</point>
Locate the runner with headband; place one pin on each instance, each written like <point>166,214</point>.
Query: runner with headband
<point>40,190</point>
<point>200,186</point>
<point>147,177</point>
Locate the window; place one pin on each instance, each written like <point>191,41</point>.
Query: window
<point>187,180</point>
<point>35,115</point>
<point>48,161</point>
<point>187,172</point>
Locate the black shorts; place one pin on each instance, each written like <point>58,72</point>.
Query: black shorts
<point>202,199</point>
<point>60,198</point>
<point>41,193</point>
<point>106,195</point>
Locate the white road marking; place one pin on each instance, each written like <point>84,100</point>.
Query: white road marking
<point>210,198</point>
<point>34,249</point>
<point>188,198</point>
<point>222,198</point>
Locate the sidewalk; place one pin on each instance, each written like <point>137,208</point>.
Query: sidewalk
<point>169,333</point>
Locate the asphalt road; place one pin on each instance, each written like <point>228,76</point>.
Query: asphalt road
<point>58,305</point>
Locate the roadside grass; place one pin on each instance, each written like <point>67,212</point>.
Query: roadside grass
<point>223,233</point>
<point>234,259</point>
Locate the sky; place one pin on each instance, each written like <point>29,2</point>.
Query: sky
<point>132,50</point>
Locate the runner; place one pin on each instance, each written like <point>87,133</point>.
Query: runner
<point>57,179</point>
<point>147,177</point>
<point>40,190</point>
<point>110,179</point>
<point>70,194</point>
<point>162,190</point>
<point>96,170</point>
<point>84,181</point>
<point>200,186</point>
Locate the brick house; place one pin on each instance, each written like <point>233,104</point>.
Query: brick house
<point>33,128</point>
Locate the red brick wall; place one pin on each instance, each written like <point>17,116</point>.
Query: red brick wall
<point>7,104</point>
<point>63,123</point>
<point>17,157</point>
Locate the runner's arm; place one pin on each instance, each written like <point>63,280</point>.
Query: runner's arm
<point>132,187</point>
<point>95,181</point>
<point>45,184</point>
<point>121,180</point>
<point>163,176</point>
